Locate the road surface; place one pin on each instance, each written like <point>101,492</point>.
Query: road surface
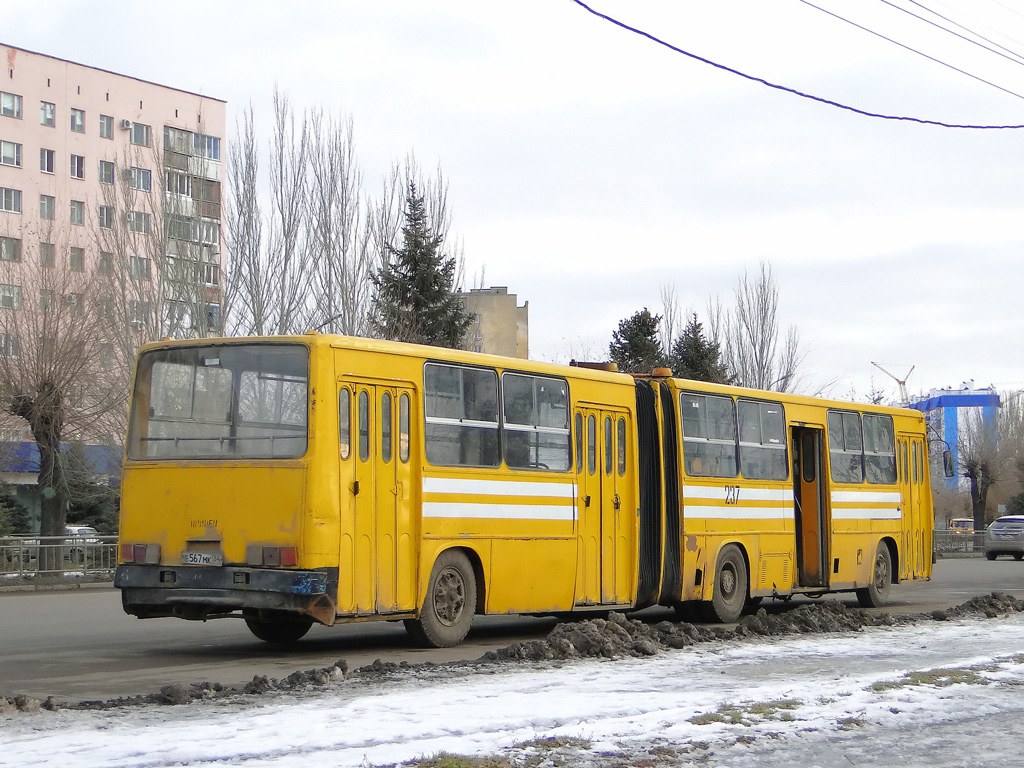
<point>79,645</point>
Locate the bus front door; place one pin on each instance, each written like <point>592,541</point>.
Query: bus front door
<point>809,503</point>
<point>382,526</point>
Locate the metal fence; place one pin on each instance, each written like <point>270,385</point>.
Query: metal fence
<point>91,555</point>
<point>950,542</point>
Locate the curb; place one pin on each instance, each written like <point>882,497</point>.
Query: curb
<point>55,587</point>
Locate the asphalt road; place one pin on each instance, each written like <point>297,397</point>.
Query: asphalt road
<point>79,645</point>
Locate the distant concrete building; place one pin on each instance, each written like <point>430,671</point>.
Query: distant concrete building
<point>500,326</point>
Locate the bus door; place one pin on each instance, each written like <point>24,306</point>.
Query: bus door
<point>599,507</point>
<point>809,502</point>
<point>382,526</point>
<point>910,460</point>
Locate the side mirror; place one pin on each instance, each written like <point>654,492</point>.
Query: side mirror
<point>948,466</point>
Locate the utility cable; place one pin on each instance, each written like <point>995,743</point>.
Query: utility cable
<point>784,88</point>
<point>971,31</point>
<point>912,50</point>
<point>1012,57</point>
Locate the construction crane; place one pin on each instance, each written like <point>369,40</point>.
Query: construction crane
<point>902,383</point>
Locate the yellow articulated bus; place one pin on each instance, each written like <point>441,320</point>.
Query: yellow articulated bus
<point>317,478</point>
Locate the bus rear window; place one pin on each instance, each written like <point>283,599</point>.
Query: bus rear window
<point>221,401</point>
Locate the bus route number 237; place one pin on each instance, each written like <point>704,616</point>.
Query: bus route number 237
<point>732,494</point>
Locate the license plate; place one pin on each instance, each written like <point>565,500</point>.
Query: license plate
<point>202,558</point>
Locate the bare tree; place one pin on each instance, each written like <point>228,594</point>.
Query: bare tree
<point>671,316</point>
<point>340,237</point>
<point>749,335</point>
<point>54,376</point>
<point>270,256</point>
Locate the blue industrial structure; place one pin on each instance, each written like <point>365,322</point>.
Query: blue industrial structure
<point>942,406</point>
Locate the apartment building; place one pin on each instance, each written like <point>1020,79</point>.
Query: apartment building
<point>114,180</point>
<point>93,162</point>
<point>500,326</point>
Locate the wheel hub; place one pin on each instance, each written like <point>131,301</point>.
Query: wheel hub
<point>449,596</point>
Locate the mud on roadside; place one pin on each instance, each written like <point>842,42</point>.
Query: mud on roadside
<point>612,638</point>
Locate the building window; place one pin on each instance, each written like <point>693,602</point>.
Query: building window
<point>78,120</point>
<point>210,233</point>
<point>106,127</point>
<point>177,140</point>
<point>46,160</point>
<point>140,268</point>
<point>77,212</point>
<point>105,266</point>
<point>140,179</point>
<point>47,205</point>
<point>106,217</point>
<point>76,303</point>
<point>139,222</point>
<point>10,104</point>
<point>47,114</point>
<point>10,296</point>
<point>10,249</point>
<point>10,200</point>
<point>209,274</point>
<point>207,146</point>
<point>179,183</point>
<point>10,345</point>
<point>106,172</point>
<point>77,167</point>
<point>213,316</point>
<point>10,153</point>
<point>76,259</point>
<point>46,255</point>
<point>182,228</point>
<point>46,301</point>
<point>140,313</point>
<point>140,135</point>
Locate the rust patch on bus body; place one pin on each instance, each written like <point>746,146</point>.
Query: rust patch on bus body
<point>691,543</point>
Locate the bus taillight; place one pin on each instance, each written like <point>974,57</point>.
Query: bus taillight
<point>140,553</point>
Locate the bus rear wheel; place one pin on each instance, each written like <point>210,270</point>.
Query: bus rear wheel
<point>450,603</point>
<point>729,592</point>
<point>876,594</point>
<point>278,630</point>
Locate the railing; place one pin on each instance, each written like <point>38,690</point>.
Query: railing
<point>950,542</point>
<point>90,555</point>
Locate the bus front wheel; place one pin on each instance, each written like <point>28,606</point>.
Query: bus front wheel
<point>450,603</point>
<point>278,630</point>
<point>876,594</point>
<point>729,592</point>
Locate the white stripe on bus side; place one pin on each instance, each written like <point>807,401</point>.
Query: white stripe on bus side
<point>458,485</point>
<point>443,509</point>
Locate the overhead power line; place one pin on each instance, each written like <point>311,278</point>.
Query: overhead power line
<point>778,87</point>
<point>1013,56</point>
<point>908,48</point>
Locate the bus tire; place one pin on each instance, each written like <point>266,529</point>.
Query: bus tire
<point>876,594</point>
<point>278,630</point>
<point>729,592</point>
<point>450,603</point>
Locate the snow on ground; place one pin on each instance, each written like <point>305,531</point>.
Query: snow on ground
<point>833,700</point>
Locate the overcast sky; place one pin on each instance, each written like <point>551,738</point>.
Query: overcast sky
<point>589,166</point>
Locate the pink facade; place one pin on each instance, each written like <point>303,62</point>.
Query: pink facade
<point>65,128</point>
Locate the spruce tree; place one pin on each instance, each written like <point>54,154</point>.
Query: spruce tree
<point>414,297</point>
<point>694,357</point>
<point>635,347</point>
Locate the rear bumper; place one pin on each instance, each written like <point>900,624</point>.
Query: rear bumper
<point>199,592</point>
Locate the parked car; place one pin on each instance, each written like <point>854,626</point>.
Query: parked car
<point>80,539</point>
<point>1005,536</point>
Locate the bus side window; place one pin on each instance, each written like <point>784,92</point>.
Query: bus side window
<point>385,427</point>
<point>344,423</point>
<point>403,427</point>
<point>364,425</point>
